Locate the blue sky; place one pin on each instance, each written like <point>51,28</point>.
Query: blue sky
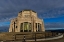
<point>54,20</point>
<point>52,11</point>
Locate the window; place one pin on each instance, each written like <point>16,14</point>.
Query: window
<point>30,27</point>
<point>36,25</point>
<point>26,26</point>
<point>21,27</point>
<point>14,25</point>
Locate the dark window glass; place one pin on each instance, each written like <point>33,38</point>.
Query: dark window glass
<point>14,24</point>
<point>21,30</point>
<point>30,27</point>
<point>36,25</point>
<point>21,27</point>
<point>25,30</point>
<point>29,30</point>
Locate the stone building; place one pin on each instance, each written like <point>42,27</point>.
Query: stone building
<point>27,21</point>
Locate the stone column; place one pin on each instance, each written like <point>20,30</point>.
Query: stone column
<point>32,24</point>
<point>34,28</point>
<point>28,27</point>
<point>23,27</point>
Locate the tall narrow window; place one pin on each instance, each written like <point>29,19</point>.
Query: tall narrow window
<point>30,27</point>
<point>36,26</point>
<point>21,27</point>
<point>39,27</point>
<point>26,26</point>
<point>14,26</point>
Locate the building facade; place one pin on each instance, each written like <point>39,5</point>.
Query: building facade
<point>27,21</point>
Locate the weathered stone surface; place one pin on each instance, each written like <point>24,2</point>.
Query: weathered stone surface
<point>27,21</point>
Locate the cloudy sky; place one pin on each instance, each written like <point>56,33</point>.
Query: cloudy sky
<point>52,11</point>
